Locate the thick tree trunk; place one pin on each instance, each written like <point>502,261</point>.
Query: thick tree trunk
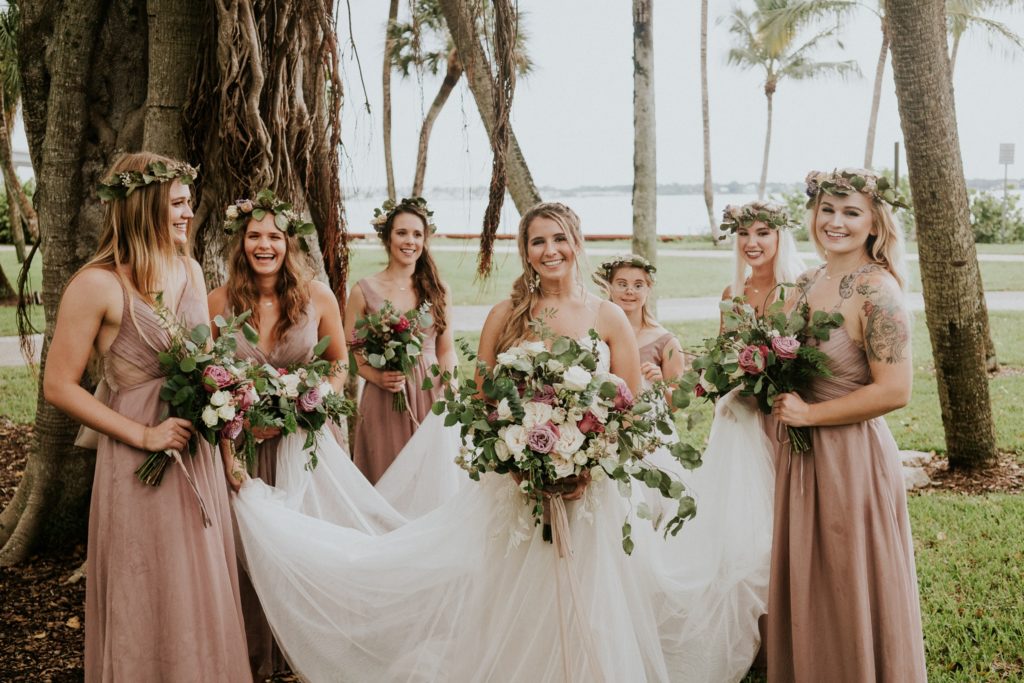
<point>709,191</point>
<point>389,46</point>
<point>645,167</point>
<point>876,96</point>
<point>949,265</point>
<point>481,83</point>
<point>769,92</point>
<point>451,79</point>
<point>174,29</point>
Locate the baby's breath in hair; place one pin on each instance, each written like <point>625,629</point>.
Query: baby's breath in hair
<point>238,214</point>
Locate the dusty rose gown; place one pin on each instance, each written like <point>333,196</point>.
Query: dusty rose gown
<point>294,347</point>
<point>653,352</point>
<point>382,431</point>
<point>162,590</point>
<point>843,601</point>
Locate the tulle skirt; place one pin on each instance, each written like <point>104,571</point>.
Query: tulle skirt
<point>470,591</point>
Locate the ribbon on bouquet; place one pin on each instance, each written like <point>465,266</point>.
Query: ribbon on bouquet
<point>408,409</point>
<point>782,436</point>
<point>174,453</point>
<point>562,540</point>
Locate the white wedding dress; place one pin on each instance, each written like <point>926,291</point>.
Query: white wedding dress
<point>470,591</point>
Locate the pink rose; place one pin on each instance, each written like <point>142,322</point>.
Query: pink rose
<point>785,347</point>
<point>546,395</point>
<point>310,401</point>
<point>542,438</point>
<point>245,397</point>
<point>402,325</point>
<point>623,397</point>
<point>215,377</point>
<point>590,424</point>
<point>233,428</point>
<point>754,359</point>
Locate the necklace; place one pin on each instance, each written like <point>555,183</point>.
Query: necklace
<point>267,303</point>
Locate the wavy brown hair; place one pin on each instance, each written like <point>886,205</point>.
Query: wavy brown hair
<point>292,286</point>
<point>426,280</point>
<point>524,297</point>
<point>135,231</point>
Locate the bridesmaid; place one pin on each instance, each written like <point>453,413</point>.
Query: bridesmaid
<point>629,280</point>
<point>843,593</point>
<point>162,596</point>
<point>291,311</point>
<point>765,252</point>
<point>410,279</point>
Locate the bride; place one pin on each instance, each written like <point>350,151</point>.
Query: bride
<point>461,594</point>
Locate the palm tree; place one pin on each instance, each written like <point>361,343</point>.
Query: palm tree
<point>389,167</point>
<point>779,56</point>
<point>964,15</point>
<point>645,177</point>
<point>709,193</point>
<point>424,44</point>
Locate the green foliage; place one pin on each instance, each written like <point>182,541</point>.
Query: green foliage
<point>994,221</point>
<point>5,219</point>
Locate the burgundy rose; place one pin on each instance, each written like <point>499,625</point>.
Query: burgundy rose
<point>233,428</point>
<point>402,325</point>
<point>492,416</point>
<point>546,395</point>
<point>785,347</point>
<point>754,359</point>
<point>310,401</point>
<point>699,390</point>
<point>215,377</point>
<point>542,438</point>
<point>589,424</point>
<point>623,397</point>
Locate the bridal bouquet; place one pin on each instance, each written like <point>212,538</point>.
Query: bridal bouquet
<point>205,384</point>
<point>546,412</point>
<point>765,355</point>
<point>299,396</point>
<point>389,340</point>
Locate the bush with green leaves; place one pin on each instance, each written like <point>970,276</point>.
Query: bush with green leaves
<point>995,221</point>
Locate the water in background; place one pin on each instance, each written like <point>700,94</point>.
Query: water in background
<point>601,214</point>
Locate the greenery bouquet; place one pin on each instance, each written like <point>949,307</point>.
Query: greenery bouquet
<point>389,340</point>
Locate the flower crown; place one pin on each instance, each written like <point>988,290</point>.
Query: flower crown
<point>120,185</point>
<point>604,273</point>
<point>287,220</point>
<point>846,181</point>
<point>773,215</point>
<point>382,213</point>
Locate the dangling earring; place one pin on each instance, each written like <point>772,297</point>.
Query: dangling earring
<point>534,283</point>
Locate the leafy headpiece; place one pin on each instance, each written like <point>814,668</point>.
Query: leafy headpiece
<point>846,181</point>
<point>604,273</point>
<point>120,185</point>
<point>390,207</point>
<point>773,215</point>
<point>286,219</point>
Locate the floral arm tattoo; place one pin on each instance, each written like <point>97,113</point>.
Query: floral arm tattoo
<point>886,333</point>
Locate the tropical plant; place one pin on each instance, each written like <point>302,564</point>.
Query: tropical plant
<point>995,220</point>
<point>779,55</point>
<point>967,15</point>
<point>709,194</point>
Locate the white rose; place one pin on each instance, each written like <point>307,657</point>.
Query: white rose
<point>575,414</point>
<point>558,415</point>
<point>515,437</point>
<point>570,440</point>
<point>536,414</point>
<point>226,412</point>
<point>532,348</point>
<point>290,385</point>
<point>210,416</point>
<point>502,450</point>
<point>232,212</point>
<point>708,386</point>
<point>504,411</point>
<point>576,379</point>
<point>580,458</point>
<point>554,365</point>
<point>599,411</point>
<point>219,398</point>
<point>505,358</point>
<point>563,467</point>
<point>325,388</point>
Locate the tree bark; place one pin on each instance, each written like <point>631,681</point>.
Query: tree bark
<point>948,260</point>
<point>12,185</point>
<point>645,167</point>
<point>451,78</point>
<point>769,92</point>
<point>389,46</point>
<point>481,83</point>
<point>709,190</point>
<point>876,97</point>
<point>7,292</point>
<point>174,29</point>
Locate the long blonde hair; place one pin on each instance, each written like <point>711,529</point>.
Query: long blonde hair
<point>786,266</point>
<point>292,287</point>
<point>526,289</point>
<point>135,233</point>
<point>885,248</point>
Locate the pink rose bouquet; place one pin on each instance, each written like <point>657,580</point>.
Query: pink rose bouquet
<point>389,340</point>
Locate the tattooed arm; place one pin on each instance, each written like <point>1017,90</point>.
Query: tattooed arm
<point>885,337</point>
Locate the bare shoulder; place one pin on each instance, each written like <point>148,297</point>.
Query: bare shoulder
<point>727,293</point>
<point>321,294</point>
<point>217,300</point>
<point>93,278</point>
<point>883,315</point>
<point>93,291</point>
<point>611,319</point>
<point>499,312</point>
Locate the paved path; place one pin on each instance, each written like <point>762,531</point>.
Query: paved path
<point>471,318</point>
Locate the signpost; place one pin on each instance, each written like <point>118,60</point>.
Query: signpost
<point>1006,150</point>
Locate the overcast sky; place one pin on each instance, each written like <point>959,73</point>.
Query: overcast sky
<point>573,115</point>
